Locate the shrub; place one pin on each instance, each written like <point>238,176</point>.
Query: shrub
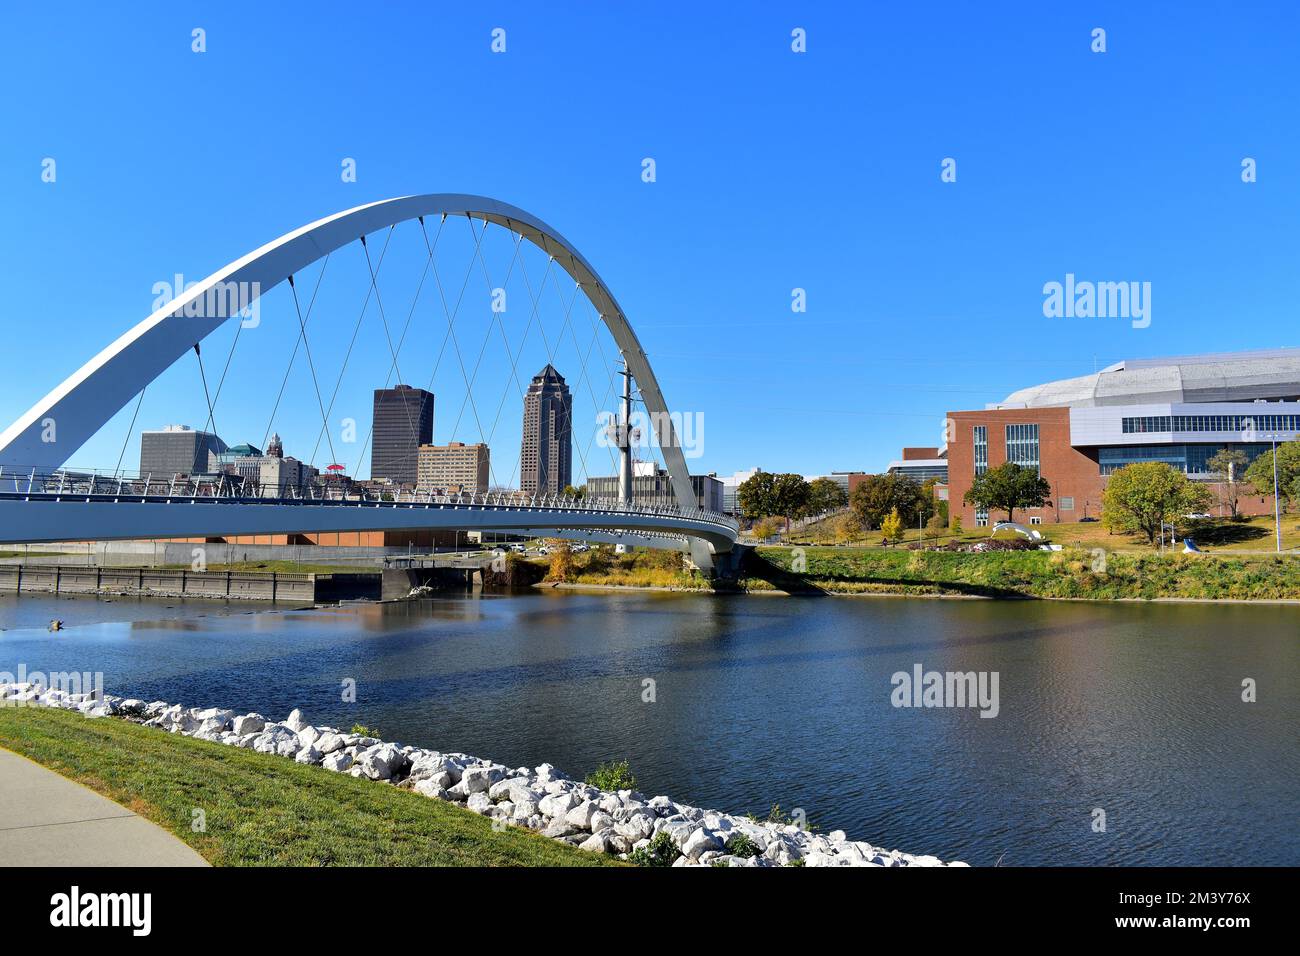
<point>612,776</point>
<point>361,730</point>
<point>661,851</point>
<point>742,846</point>
<point>562,567</point>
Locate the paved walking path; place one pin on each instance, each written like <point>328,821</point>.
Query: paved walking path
<point>47,820</point>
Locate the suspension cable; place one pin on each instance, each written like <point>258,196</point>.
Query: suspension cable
<point>130,428</point>
<point>302,335</point>
<point>204,379</point>
<point>302,328</point>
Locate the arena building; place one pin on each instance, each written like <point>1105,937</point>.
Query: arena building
<point>1077,431</point>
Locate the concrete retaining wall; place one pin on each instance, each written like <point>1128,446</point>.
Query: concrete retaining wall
<point>246,585</point>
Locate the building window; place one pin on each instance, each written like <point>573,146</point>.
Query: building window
<point>1022,445</point>
<point>1035,519</point>
<point>980,437</point>
<point>1067,503</point>
<point>981,518</point>
<point>1191,460</point>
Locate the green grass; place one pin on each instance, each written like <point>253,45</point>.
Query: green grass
<point>1218,535</point>
<point>1063,574</point>
<point>263,810</point>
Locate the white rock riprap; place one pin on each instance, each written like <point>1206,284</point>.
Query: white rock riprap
<point>540,799</point>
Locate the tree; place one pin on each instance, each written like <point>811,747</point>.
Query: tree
<point>1229,466</point>
<point>928,505</point>
<point>892,527</point>
<point>825,495</point>
<point>1145,496</point>
<point>562,567</point>
<point>1260,472</point>
<point>877,495</point>
<point>571,491</point>
<point>1007,487</point>
<point>768,495</point>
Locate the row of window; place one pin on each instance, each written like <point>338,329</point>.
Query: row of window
<point>1189,459</point>
<point>1210,423</point>
<point>1021,443</point>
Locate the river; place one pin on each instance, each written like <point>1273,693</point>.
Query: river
<point>1132,709</point>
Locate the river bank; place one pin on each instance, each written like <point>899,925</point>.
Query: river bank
<point>651,831</point>
<point>1068,574</point>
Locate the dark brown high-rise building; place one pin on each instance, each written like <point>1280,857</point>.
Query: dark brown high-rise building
<point>546,455</point>
<point>403,421</point>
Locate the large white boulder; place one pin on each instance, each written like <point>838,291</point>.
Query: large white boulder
<point>699,841</point>
<point>557,804</point>
<point>248,724</point>
<point>480,779</point>
<point>580,816</point>
<point>295,721</point>
<point>597,842</point>
<point>382,762</point>
<point>430,787</point>
<point>329,743</point>
<point>337,761</point>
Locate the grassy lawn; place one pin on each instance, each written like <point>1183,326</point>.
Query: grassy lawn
<point>264,810</point>
<point>1254,534</point>
<point>1072,573</point>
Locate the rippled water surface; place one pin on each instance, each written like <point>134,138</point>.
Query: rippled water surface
<point>1134,709</point>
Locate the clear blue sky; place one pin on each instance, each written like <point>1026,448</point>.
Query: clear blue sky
<point>775,170</point>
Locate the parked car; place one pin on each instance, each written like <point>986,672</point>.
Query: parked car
<point>1086,520</point>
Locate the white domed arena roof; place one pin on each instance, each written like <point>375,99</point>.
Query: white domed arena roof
<point>1218,377</point>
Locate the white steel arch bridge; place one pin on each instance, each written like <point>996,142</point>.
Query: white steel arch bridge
<point>40,500</point>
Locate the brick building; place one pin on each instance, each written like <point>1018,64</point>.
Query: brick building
<point>1078,431</point>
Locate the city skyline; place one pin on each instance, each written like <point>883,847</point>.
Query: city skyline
<point>921,298</point>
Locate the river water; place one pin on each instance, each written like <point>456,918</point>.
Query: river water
<point>1135,710</point>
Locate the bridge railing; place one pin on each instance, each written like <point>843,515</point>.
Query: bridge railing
<point>234,488</point>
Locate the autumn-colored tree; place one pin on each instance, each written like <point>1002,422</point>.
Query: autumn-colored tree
<point>1145,496</point>
<point>562,566</point>
<point>892,526</point>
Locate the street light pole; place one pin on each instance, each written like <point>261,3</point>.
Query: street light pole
<point>1277,512</point>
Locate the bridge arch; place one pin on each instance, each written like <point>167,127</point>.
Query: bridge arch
<point>92,395</point>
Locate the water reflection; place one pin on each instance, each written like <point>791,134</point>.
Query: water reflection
<point>1132,708</point>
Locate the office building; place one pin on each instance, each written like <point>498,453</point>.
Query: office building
<point>402,422</point>
<point>453,467</point>
<point>921,464</point>
<point>177,450</point>
<point>651,485</point>
<point>546,453</point>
